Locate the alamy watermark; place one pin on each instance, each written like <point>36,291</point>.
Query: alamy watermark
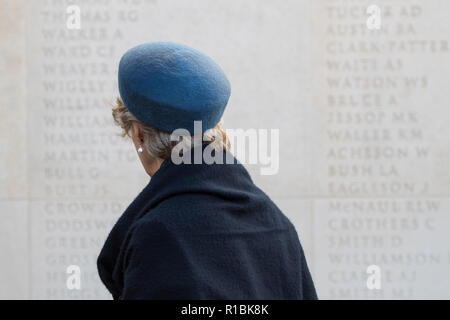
<point>374,20</point>
<point>73,21</point>
<point>73,281</point>
<point>374,279</point>
<point>250,146</point>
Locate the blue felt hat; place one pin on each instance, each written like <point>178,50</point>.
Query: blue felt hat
<point>169,86</point>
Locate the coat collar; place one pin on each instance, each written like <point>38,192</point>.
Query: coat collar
<point>170,179</point>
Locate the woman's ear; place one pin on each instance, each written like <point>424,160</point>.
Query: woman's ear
<point>136,134</point>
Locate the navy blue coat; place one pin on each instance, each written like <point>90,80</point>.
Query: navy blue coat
<point>199,231</point>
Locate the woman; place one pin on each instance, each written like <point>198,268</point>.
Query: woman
<point>196,231</point>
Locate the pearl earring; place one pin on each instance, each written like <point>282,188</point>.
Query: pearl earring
<point>140,150</point>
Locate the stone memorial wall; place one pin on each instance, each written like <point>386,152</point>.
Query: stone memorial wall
<point>362,115</point>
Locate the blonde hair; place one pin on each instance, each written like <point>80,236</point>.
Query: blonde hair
<point>158,143</point>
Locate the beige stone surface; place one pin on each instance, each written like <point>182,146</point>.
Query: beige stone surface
<point>362,118</point>
<point>381,138</point>
<point>13,173</point>
<point>379,100</point>
<point>406,237</point>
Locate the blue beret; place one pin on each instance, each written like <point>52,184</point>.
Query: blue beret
<point>169,86</point>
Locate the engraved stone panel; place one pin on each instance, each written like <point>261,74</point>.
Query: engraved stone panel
<point>363,127</point>
<point>406,237</point>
